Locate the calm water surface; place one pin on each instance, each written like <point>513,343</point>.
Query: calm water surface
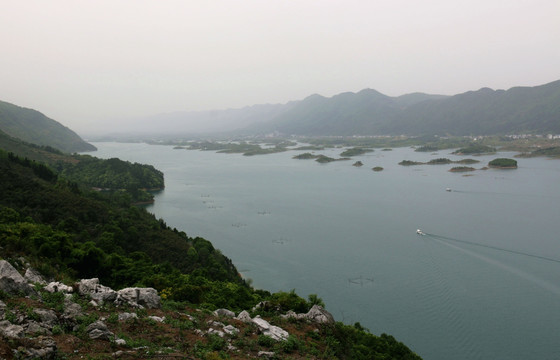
<point>349,235</point>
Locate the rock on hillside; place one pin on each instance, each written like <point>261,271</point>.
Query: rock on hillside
<point>90,319</point>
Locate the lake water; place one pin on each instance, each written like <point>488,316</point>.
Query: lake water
<point>469,289</point>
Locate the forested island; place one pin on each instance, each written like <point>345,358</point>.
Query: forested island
<point>438,161</point>
<point>319,158</point>
<point>503,163</point>
<point>462,169</point>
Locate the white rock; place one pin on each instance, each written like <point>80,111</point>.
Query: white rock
<point>48,317</point>
<point>33,276</point>
<point>244,317</point>
<point>96,291</point>
<point>215,323</point>
<point>98,330</point>
<point>319,315</point>
<point>10,331</point>
<point>157,318</point>
<point>12,282</point>
<point>211,331</point>
<point>267,354</point>
<point>33,328</point>
<point>224,312</point>
<point>56,286</point>
<point>231,330</point>
<point>127,316</point>
<point>147,297</point>
<point>269,330</point>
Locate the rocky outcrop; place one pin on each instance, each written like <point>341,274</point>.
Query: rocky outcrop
<point>319,315</point>
<point>11,281</point>
<point>316,314</point>
<point>136,297</point>
<point>56,286</point>
<point>11,331</point>
<point>33,276</point>
<point>99,293</point>
<point>147,297</point>
<point>44,347</point>
<point>269,330</point>
<point>244,317</point>
<point>98,330</point>
<point>125,316</point>
<point>47,317</point>
<point>34,329</point>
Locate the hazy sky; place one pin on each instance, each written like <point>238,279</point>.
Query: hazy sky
<point>81,62</point>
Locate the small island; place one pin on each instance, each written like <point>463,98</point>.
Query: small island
<point>475,150</point>
<point>503,163</point>
<point>325,159</point>
<point>377,168</point>
<point>462,169</point>
<point>466,161</point>
<point>439,161</point>
<point>319,158</point>
<point>358,164</point>
<point>355,151</point>
<point>410,163</point>
<point>305,156</point>
<point>427,148</point>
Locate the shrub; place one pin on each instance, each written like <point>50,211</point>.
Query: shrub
<point>265,341</point>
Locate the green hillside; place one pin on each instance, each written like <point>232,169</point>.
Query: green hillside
<point>34,127</point>
<point>67,232</point>
<point>111,175</point>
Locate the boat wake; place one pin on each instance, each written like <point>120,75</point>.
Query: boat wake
<point>439,237</point>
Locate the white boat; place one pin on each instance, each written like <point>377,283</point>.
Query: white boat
<point>448,189</point>
<point>420,232</point>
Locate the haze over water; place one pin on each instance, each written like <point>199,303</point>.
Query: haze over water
<point>482,284</point>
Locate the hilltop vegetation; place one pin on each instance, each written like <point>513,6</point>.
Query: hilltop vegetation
<point>33,127</point>
<point>110,175</point>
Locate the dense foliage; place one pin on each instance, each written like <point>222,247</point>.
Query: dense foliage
<point>109,175</point>
<point>112,173</point>
<point>88,233</point>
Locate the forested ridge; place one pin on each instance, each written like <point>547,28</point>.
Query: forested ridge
<point>88,171</point>
<point>34,127</point>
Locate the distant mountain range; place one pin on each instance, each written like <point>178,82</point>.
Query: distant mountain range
<point>368,112</point>
<point>534,110</point>
<point>34,127</point>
